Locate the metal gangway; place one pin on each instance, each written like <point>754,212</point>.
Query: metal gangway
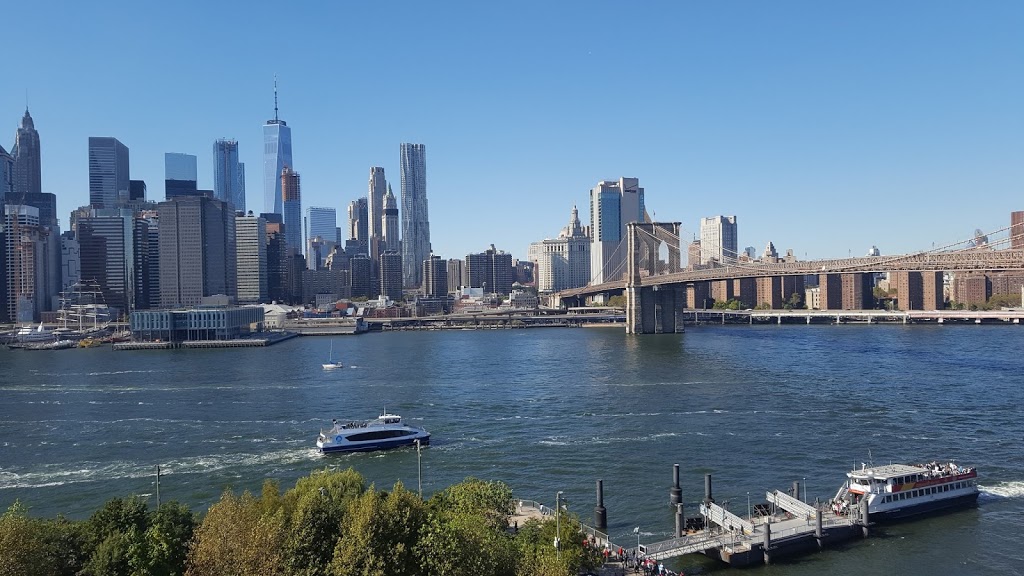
<point>797,508</point>
<point>719,516</point>
<point>690,544</point>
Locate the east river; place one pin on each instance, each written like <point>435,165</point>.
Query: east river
<point>547,410</point>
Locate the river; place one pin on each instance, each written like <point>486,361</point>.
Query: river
<point>548,410</point>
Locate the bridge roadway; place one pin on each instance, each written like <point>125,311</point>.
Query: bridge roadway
<point>977,260</point>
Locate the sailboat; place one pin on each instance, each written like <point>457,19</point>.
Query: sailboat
<point>331,362</point>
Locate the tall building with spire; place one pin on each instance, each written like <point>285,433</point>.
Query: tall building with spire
<point>378,187</point>
<point>27,171</point>
<point>277,153</point>
<point>563,263</point>
<point>415,221</point>
<point>228,174</point>
<point>389,227</point>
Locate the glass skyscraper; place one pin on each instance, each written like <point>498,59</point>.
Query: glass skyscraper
<point>613,204</point>
<point>415,223</point>
<point>291,205</point>
<point>180,175</point>
<point>228,174</point>
<point>108,172</point>
<point>277,153</point>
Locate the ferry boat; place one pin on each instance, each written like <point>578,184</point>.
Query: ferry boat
<point>897,491</point>
<point>31,334</point>
<point>386,431</point>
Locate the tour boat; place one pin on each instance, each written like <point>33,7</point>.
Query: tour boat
<point>31,334</point>
<point>896,491</point>
<point>331,363</point>
<point>386,431</point>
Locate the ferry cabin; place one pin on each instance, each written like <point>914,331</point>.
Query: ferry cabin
<point>899,490</point>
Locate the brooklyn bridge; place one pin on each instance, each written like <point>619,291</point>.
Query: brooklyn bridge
<point>657,289</point>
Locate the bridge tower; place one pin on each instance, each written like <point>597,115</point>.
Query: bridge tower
<point>652,309</point>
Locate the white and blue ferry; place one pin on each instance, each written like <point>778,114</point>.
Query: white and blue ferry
<point>898,491</point>
<point>386,431</point>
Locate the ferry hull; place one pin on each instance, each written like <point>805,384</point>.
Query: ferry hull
<point>374,445</point>
<point>927,508</point>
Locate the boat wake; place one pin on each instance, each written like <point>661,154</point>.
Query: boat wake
<point>1001,490</point>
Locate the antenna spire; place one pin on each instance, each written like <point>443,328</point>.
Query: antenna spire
<point>275,98</point>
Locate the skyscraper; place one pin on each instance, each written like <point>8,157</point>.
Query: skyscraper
<point>108,172</point>
<point>435,276</point>
<point>491,270</point>
<point>180,175</point>
<point>291,197</point>
<point>391,275</point>
<point>358,225</point>
<point>107,255</point>
<point>197,250</point>
<point>563,263</point>
<point>6,176</point>
<point>389,235</point>
<point>718,240</point>
<point>27,172</point>
<point>251,260</point>
<point>277,153</point>
<point>613,204</point>
<point>323,225</point>
<point>415,221</point>
<point>228,174</point>
<point>378,188</point>
<point>1017,230</point>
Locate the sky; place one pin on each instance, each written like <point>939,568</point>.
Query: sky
<point>825,127</point>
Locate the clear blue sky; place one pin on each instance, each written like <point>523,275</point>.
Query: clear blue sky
<point>826,127</point>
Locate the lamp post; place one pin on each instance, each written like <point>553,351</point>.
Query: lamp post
<point>419,469</point>
<point>558,526</point>
<point>748,507</point>
<point>805,490</point>
<point>637,531</point>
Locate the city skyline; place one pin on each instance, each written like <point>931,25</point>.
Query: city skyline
<point>799,110</point>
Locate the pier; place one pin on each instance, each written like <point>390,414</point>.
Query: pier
<point>782,527</point>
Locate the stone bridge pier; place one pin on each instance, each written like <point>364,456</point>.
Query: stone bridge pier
<point>652,309</point>
<point>655,309</point>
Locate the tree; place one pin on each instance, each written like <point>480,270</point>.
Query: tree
<point>168,537</point>
<point>379,534</point>
<point>618,301</point>
<point>241,536</point>
<point>467,531</point>
<point>537,555</point>
<point>115,538</point>
<point>21,544</point>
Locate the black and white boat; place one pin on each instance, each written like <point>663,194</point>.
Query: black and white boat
<point>897,491</point>
<point>386,431</point>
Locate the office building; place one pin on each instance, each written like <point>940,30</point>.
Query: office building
<point>45,202</point>
<point>1017,230</point>
<point>146,264</point>
<point>360,277</point>
<point>277,154</point>
<point>693,255</point>
<point>228,174</point>
<point>435,276</point>
<point>322,226</point>
<point>564,262</point>
<point>251,259</point>
<point>718,240</point>
<point>455,274</point>
<point>136,190</point>
<point>291,194</point>
<point>27,166</point>
<point>389,237</point>
<point>613,204</point>
<point>358,223</point>
<point>378,188</point>
<point>277,262</point>
<point>30,252</point>
<point>197,250</point>
<point>415,220</point>
<point>70,260</point>
<point>108,172</point>
<point>391,275</point>
<point>180,175</point>
<point>6,176</point>
<point>107,245</point>
<point>490,270</point>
